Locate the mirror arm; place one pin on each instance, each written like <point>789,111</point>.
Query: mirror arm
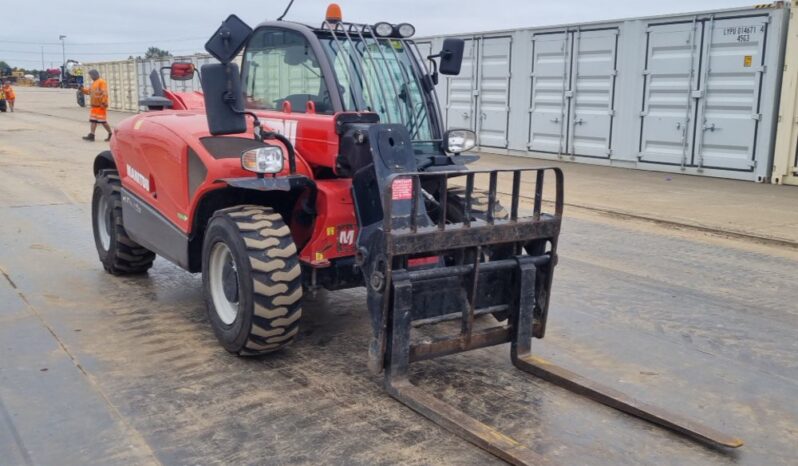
<point>434,74</point>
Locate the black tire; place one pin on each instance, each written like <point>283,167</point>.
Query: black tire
<point>259,277</point>
<point>119,254</point>
<point>81,98</point>
<point>479,205</point>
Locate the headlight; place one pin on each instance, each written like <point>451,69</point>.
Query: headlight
<point>263,160</point>
<point>459,140</point>
<point>383,29</point>
<point>406,30</point>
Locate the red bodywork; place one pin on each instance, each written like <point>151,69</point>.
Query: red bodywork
<point>151,152</point>
<point>51,82</point>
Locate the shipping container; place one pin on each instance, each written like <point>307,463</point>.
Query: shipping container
<point>785,163</point>
<point>129,80</point>
<point>690,93</point>
<point>121,79</point>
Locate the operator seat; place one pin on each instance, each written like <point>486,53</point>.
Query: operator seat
<point>156,101</point>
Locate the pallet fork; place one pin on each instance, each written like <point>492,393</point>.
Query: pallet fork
<point>460,284</point>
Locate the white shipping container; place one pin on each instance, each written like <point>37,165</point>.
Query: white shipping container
<point>690,93</point>
<point>785,163</point>
<point>121,79</point>
<point>129,80</point>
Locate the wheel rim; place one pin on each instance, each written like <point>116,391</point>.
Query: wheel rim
<point>223,278</point>
<point>104,222</point>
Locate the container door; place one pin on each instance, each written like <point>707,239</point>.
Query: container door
<point>731,78</point>
<point>460,96</point>
<point>593,92</point>
<point>551,63</point>
<point>494,91</point>
<point>671,83</point>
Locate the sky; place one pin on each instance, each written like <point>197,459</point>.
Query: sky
<point>113,30</point>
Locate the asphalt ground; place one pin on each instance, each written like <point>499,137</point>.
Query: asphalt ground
<point>96,369</point>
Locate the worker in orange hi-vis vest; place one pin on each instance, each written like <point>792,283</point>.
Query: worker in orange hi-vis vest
<point>11,97</point>
<point>98,98</point>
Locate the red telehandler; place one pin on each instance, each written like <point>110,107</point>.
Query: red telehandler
<point>325,164</point>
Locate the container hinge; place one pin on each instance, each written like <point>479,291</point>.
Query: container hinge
<point>475,92</point>
<point>756,116</point>
<point>697,94</point>
<point>752,163</point>
<point>640,156</point>
<point>569,94</point>
<point>646,72</point>
<point>614,73</point>
<point>611,112</point>
<point>643,113</point>
<point>609,151</point>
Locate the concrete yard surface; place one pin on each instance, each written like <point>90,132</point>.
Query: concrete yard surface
<point>104,370</point>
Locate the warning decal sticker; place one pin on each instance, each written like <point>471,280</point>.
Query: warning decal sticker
<point>402,189</point>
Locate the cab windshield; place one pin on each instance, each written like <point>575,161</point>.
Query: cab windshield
<point>378,75</point>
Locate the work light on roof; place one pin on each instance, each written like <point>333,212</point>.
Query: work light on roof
<point>405,30</point>
<point>383,29</point>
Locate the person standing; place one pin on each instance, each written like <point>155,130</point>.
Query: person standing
<point>98,100</point>
<point>11,97</point>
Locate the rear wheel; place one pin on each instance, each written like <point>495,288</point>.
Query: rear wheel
<point>119,254</point>
<point>251,280</point>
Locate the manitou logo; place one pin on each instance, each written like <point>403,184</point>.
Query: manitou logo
<point>136,176</point>
<point>346,238</point>
<point>285,127</point>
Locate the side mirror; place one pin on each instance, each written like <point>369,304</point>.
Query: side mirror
<point>451,56</point>
<point>181,71</point>
<point>229,39</point>
<point>224,101</point>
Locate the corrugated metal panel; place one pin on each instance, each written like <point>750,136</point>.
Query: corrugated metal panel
<point>785,165</point>
<point>671,79</point>
<point>731,76</point>
<point>689,93</point>
<point>460,98</point>
<point>593,92</point>
<point>494,91</point>
<point>121,79</point>
<point>129,80</point>
<point>551,69</point>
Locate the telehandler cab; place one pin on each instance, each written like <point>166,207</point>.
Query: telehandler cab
<point>326,164</point>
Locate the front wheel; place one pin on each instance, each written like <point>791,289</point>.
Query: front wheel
<point>251,280</point>
<point>119,253</point>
